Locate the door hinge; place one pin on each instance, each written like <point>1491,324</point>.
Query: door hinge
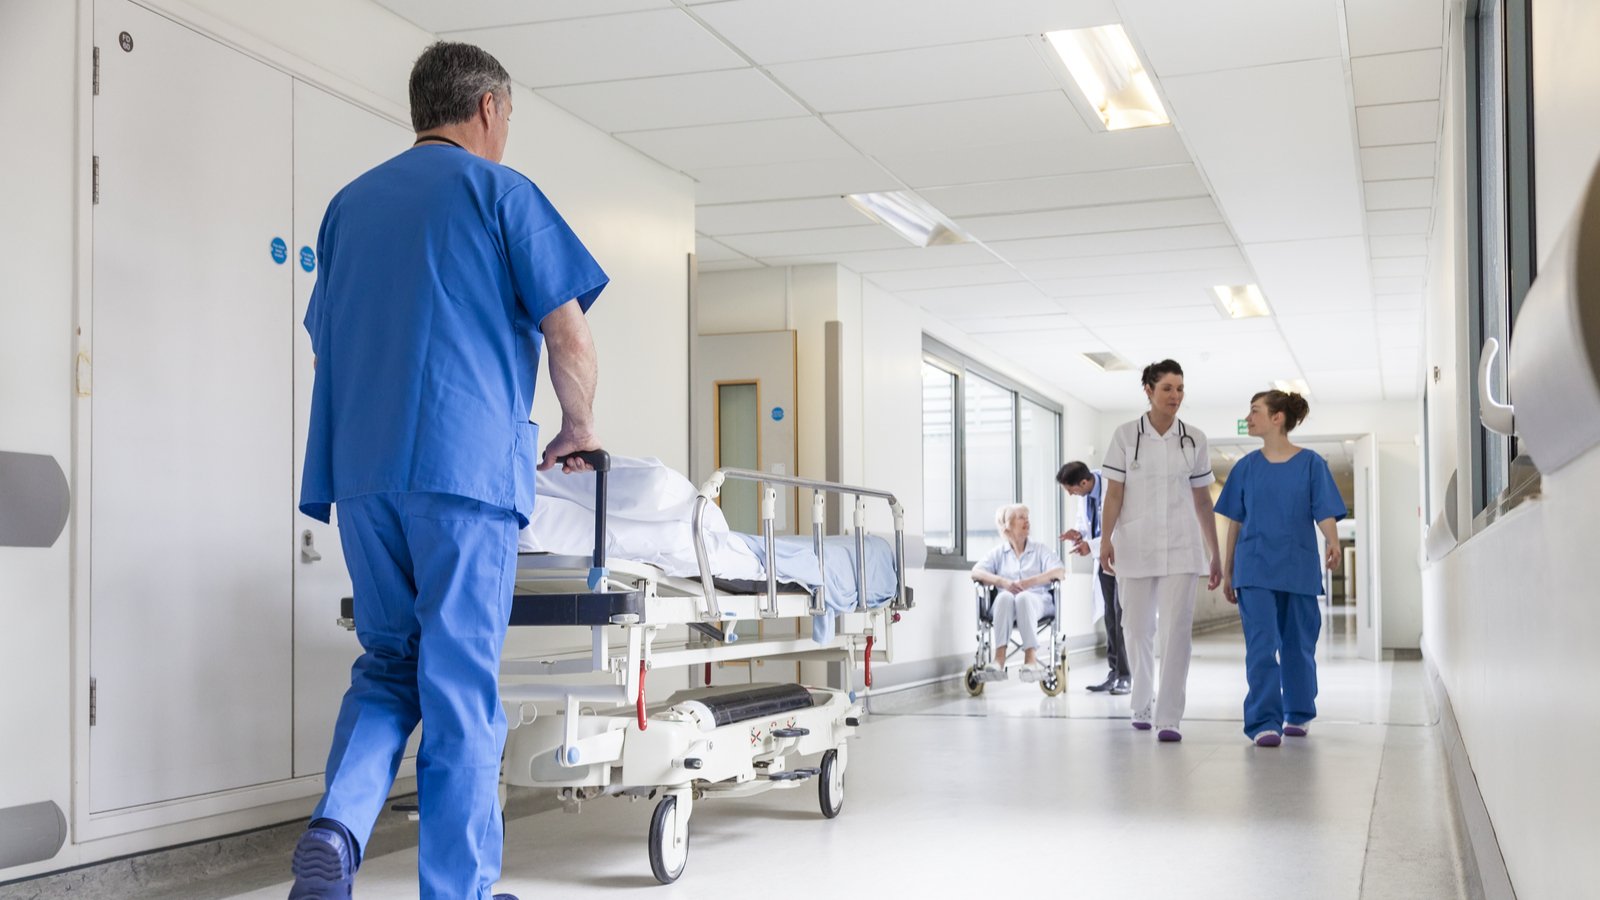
<point>94,191</point>
<point>97,71</point>
<point>94,700</point>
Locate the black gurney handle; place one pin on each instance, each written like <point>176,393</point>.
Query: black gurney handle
<point>600,461</point>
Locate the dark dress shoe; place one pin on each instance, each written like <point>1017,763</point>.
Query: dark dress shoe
<point>1121,687</point>
<point>1109,684</point>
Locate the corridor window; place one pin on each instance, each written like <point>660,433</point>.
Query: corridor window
<point>1499,201</point>
<point>987,442</point>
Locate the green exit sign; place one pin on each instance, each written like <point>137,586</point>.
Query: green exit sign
<point>1244,427</point>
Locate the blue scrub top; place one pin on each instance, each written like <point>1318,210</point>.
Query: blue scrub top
<point>436,269</point>
<point>1278,506</point>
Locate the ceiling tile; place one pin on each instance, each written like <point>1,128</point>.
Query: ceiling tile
<point>606,48</point>
<point>1024,326</point>
<point>1093,219</point>
<point>924,75</point>
<point>949,276</point>
<point>1105,314</point>
<point>1181,37</point>
<point>1193,285</point>
<point>1301,277</point>
<point>1384,246</point>
<point>1152,240</point>
<point>1402,161</point>
<point>868,262</point>
<point>1280,177</point>
<point>729,265</point>
<point>1063,191</point>
<point>776,31</point>
<point>1400,267</point>
<point>1390,26</point>
<point>1399,221</point>
<point>708,250</point>
<point>675,101</point>
<point>740,144</point>
<point>1399,285</point>
<point>1047,116</point>
<point>776,215</point>
<point>999,300</point>
<point>1134,263</point>
<point>1105,151</point>
<point>1405,194</point>
<point>1396,77</point>
<point>807,178</point>
<point>814,241</point>
<point>1397,123</point>
<point>1383,302</point>
<point>431,15</point>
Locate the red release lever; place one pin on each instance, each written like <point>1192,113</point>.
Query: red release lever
<point>870,639</point>
<point>643,724</point>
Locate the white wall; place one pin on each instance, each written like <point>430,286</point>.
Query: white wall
<point>1510,618</point>
<point>636,217</point>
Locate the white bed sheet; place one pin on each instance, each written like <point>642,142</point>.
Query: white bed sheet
<point>649,515</point>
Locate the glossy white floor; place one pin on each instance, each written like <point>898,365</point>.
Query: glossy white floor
<point>953,796</point>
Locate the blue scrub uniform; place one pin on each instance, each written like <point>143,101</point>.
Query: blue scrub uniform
<point>1277,574</point>
<point>435,270</point>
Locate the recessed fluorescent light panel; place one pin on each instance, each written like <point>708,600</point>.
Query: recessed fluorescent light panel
<point>1108,72</point>
<point>909,217</point>
<point>1241,301</point>
<point>1293,385</point>
<point>1107,362</point>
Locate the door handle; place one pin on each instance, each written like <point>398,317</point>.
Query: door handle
<point>308,547</point>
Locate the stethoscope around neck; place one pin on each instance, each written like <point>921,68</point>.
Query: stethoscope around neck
<point>1188,450</point>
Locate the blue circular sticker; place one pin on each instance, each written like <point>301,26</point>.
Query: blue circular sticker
<point>308,259</point>
<point>777,414</point>
<point>280,251</point>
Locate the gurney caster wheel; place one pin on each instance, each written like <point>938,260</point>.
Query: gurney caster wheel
<point>830,784</point>
<point>974,684</point>
<point>667,858</point>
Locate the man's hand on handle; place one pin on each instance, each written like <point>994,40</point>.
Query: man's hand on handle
<point>565,443</point>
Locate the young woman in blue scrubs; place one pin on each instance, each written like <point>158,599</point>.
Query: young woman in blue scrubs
<point>1278,497</point>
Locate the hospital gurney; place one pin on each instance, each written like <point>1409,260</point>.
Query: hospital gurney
<point>580,722</point>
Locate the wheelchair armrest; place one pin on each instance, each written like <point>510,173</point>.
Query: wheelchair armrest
<point>985,594</point>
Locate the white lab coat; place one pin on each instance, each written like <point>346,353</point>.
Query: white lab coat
<point>1158,532</point>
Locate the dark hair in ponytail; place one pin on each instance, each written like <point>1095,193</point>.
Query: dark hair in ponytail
<point>1292,405</point>
<point>1154,371</point>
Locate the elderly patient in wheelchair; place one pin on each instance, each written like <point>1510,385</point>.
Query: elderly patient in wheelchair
<point>1022,573</point>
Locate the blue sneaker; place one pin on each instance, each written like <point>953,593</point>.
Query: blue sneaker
<point>324,864</point>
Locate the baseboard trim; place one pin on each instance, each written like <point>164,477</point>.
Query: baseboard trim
<point>1487,877</point>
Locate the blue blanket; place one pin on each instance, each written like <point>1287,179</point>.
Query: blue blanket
<point>797,563</point>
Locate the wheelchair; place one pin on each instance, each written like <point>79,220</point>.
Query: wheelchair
<point>1052,652</point>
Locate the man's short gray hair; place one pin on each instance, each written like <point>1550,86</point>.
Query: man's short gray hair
<point>1004,515</point>
<point>447,81</point>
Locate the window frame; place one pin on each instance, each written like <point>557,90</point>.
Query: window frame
<point>1492,455</point>
<point>946,358</point>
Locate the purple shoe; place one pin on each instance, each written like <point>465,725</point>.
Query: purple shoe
<point>324,865</point>
<point>1292,730</point>
<point>1142,726</point>
<point>1169,735</point>
<point>1268,739</point>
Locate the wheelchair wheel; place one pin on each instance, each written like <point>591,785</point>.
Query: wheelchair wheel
<point>1055,678</point>
<point>974,685</point>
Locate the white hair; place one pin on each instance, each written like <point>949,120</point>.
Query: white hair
<point>1004,515</point>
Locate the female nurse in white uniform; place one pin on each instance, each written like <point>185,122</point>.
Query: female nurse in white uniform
<point>1159,537</point>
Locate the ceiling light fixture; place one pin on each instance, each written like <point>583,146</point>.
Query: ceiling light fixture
<point>1241,301</point>
<point>1293,385</point>
<point>1107,70</point>
<point>1107,362</point>
<point>908,216</point>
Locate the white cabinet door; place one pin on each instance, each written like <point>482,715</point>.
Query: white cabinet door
<point>190,417</point>
<point>334,142</point>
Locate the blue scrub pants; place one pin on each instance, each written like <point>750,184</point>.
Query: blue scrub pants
<point>433,576</point>
<point>1279,626</point>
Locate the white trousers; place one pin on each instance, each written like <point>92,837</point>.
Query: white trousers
<point>1021,612</point>
<point>1172,597</point>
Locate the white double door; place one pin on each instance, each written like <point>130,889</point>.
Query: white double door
<point>216,661</point>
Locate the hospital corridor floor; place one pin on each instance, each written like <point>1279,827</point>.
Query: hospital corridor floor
<point>949,795</point>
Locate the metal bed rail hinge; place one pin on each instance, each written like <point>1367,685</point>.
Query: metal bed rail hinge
<point>94,700</point>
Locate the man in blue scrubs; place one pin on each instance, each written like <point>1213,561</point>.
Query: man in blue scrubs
<point>443,276</point>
